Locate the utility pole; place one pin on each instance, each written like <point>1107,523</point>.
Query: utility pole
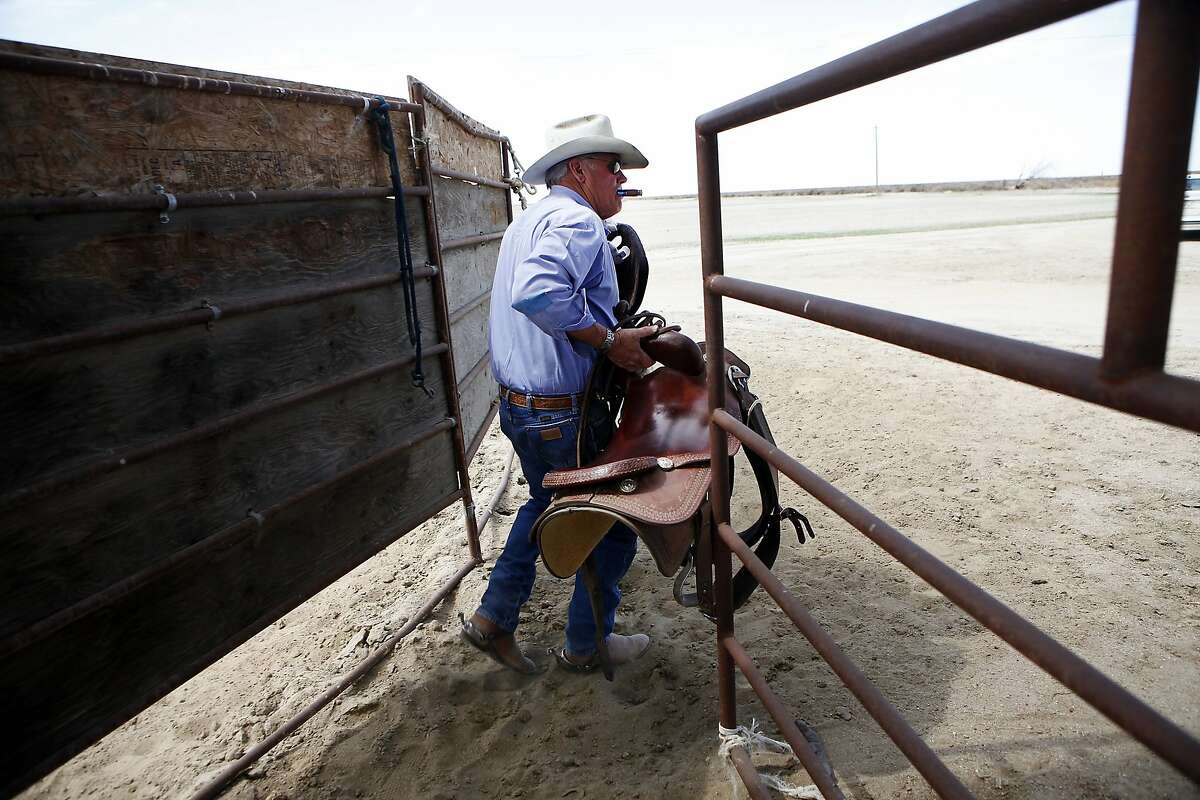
<point>876,159</point>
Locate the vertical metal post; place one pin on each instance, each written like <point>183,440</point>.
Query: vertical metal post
<point>442,310</point>
<point>507,173</point>
<point>704,568</point>
<point>755,788</point>
<point>712,261</point>
<point>1162,100</point>
<point>876,159</point>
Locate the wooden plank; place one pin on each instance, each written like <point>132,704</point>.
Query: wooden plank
<point>126,138</point>
<point>145,644</point>
<point>475,399</point>
<point>470,340</point>
<point>465,209</point>
<point>115,589</point>
<point>474,445</point>
<point>452,146</point>
<point>70,272</point>
<point>185,141</point>
<point>58,550</point>
<point>46,51</point>
<point>469,271</point>
<point>59,411</point>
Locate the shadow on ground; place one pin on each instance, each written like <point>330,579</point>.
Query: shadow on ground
<point>463,727</point>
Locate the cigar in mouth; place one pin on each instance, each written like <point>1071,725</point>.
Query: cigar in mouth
<point>629,192</point>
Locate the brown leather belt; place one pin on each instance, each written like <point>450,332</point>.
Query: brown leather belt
<point>553,402</point>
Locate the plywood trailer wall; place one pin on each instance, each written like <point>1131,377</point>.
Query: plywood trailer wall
<point>207,411</point>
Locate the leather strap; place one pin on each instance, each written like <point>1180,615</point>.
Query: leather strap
<point>555,402</point>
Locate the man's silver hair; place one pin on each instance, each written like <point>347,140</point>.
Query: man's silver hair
<point>555,174</point>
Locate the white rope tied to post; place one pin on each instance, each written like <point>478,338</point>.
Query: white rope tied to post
<point>519,188</point>
<point>517,182</point>
<point>754,741</point>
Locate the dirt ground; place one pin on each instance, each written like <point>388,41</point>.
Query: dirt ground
<point>1081,518</point>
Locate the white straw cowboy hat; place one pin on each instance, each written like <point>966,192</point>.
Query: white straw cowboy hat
<point>579,137</point>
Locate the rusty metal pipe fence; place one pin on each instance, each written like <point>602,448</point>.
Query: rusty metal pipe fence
<point>1128,377</point>
<point>206,314</point>
<point>84,204</point>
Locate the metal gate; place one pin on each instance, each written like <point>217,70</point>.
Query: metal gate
<point>1128,377</point>
<point>207,398</point>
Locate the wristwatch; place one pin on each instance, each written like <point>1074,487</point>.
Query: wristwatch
<point>610,336</point>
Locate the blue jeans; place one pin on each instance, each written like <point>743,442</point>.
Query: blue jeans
<point>545,441</point>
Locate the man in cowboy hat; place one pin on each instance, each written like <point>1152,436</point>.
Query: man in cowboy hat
<point>551,318</point>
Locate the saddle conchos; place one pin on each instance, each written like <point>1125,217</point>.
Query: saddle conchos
<point>655,474</point>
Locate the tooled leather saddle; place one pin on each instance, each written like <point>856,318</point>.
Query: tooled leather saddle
<point>655,473</point>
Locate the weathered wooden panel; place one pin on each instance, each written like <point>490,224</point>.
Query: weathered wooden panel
<point>59,411</point>
<point>469,272</point>
<point>68,694</point>
<point>477,398</point>
<point>80,540</point>
<point>470,339</point>
<point>29,48</point>
<point>464,209</point>
<point>108,137</point>
<point>64,273</point>
<point>119,579</point>
<point>467,209</point>
<point>451,145</point>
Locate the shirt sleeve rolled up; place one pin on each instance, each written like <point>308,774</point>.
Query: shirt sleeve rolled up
<point>548,285</point>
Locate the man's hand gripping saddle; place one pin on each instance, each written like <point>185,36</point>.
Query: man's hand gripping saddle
<point>655,473</point>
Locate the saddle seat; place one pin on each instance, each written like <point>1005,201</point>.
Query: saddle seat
<point>654,476</point>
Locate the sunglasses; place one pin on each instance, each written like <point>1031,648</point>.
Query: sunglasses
<point>614,166</point>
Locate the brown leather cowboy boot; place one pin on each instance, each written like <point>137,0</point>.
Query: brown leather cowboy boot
<point>500,646</point>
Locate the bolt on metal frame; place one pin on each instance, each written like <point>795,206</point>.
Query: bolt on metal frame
<point>1128,377</point>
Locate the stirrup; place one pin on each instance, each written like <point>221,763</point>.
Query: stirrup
<point>582,667</point>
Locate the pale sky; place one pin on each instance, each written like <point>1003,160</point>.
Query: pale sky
<point>1053,99</point>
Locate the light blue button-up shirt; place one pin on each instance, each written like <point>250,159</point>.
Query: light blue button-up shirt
<point>555,274</point>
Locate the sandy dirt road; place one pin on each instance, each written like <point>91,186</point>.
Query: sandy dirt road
<point>1083,519</point>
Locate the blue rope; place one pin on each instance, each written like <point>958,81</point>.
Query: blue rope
<point>387,141</point>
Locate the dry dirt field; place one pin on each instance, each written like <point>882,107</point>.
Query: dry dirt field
<point>1083,519</point>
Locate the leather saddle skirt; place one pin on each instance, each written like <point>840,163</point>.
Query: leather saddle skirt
<point>654,476</point>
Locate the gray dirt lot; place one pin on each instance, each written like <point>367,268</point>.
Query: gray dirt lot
<point>972,259</point>
<point>1082,518</point>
